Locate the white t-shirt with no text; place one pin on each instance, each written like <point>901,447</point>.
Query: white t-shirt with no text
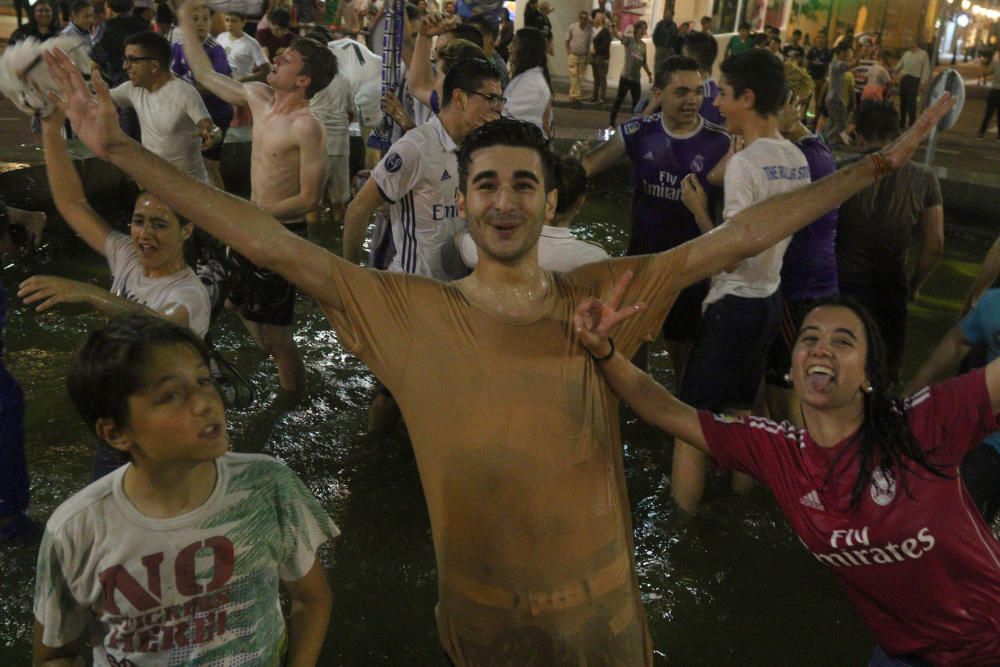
<point>244,53</point>
<point>169,120</point>
<point>764,169</point>
<point>183,288</point>
<point>332,106</point>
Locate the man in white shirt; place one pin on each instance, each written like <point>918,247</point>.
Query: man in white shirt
<point>742,311</point>
<point>334,106</point>
<point>578,38</point>
<point>915,69</point>
<point>418,177</point>
<point>174,121</point>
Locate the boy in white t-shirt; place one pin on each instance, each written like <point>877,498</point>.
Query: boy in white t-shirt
<point>743,309</point>
<point>176,557</point>
<point>246,58</point>
<point>334,106</point>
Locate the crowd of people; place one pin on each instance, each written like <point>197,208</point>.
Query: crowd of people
<point>505,343</point>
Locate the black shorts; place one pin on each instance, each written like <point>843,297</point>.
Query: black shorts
<point>215,152</point>
<point>261,295</point>
<point>779,357</point>
<point>730,353</point>
<point>685,315</point>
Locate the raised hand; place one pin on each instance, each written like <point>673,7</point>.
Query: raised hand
<point>94,118</point>
<point>594,319</point>
<point>437,24</point>
<point>898,152</point>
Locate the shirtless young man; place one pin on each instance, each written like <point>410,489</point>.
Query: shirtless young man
<point>287,173</point>
<point>516,437</point>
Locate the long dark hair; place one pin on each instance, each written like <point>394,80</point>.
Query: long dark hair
<point>885,441</point>
<point>54,26</point>
<point>531,50</point>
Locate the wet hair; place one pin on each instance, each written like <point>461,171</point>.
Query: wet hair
<point>153,45</point>
<point>876,122</point>
<point>507,132</point>
<point>120,6</point>
<point>318,63</point>
<point>78,6</point>
<point>280,16</point>
<point>320,34</point>
<point>798,81</point>
<point>468,32</point>
<point>673,64</point>
<point>885,440</point>
<point>108,365</point>
<point>455,52</point>
<point>571,181</point>
<point>762,72</point>
<point>467,75</point>
<point>531,50</point>
<point>702,47</point>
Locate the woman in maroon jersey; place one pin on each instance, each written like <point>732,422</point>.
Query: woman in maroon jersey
<point>870,485</point>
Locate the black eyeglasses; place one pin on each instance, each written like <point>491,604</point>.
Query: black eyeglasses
<point>495,101</point>
<point>131,60</point>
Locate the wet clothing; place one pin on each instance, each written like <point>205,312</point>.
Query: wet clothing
<point>183,288</point>
<point>871,258</point>
<point>922,568</point>
<point>169,119</point>
<point>187,589</point>
<point>516,434</point>
<point>660,220</point>
<point>261,295</point>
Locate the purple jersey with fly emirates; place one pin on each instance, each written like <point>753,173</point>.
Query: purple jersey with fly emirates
<point>809,270</point>
<point>660,161</point>
<point>220,110</point>
<point>708,111</point>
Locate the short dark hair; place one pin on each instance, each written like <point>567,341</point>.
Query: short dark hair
<point>485,26</point>
<point>702,47</point>
<point>78,6</point>
<point>843,47</point>
<point>674,64</point>
<point>108,365</point>
<point>466,31</point>
<point>456,51</point>
<point>468,75</point>
<point>120,6</point>
<point>507,132</point>
<point>240,15</point>
<point>320,34</point>
<point>762,72</point>
<point>744,26</point>
<point>571,181</point>
<point>796,32</point>
<point>318,63</point>
<point>153,44</point>
<point>876,121</point>
<point>280,17</point>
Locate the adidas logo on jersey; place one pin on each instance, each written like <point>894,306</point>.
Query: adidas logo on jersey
<point>445,176</point>
<point>812,500</point>
<point>648,156</point>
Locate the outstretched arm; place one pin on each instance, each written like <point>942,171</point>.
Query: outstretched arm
<point>245,227</point>
<point>420,77</point>
<point>47,291</point>
<point>221,85</point>
<point>594,321</point>
<point>604,156</point>
<point>758,227</point>
<point>67,190</point>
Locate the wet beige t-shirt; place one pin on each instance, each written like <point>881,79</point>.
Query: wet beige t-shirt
<point>516,438</point>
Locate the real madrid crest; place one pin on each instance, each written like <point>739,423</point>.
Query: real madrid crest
<point>883,487</point>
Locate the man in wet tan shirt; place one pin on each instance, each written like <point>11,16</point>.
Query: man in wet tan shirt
<point>515,434</point>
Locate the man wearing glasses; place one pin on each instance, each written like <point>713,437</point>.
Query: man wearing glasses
<point>172,116</point>
<point>419,175</point>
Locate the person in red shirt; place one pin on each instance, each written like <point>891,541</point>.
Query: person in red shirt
<point>870,485</point>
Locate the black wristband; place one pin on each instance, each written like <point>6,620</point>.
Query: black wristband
<point>607,356</point>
